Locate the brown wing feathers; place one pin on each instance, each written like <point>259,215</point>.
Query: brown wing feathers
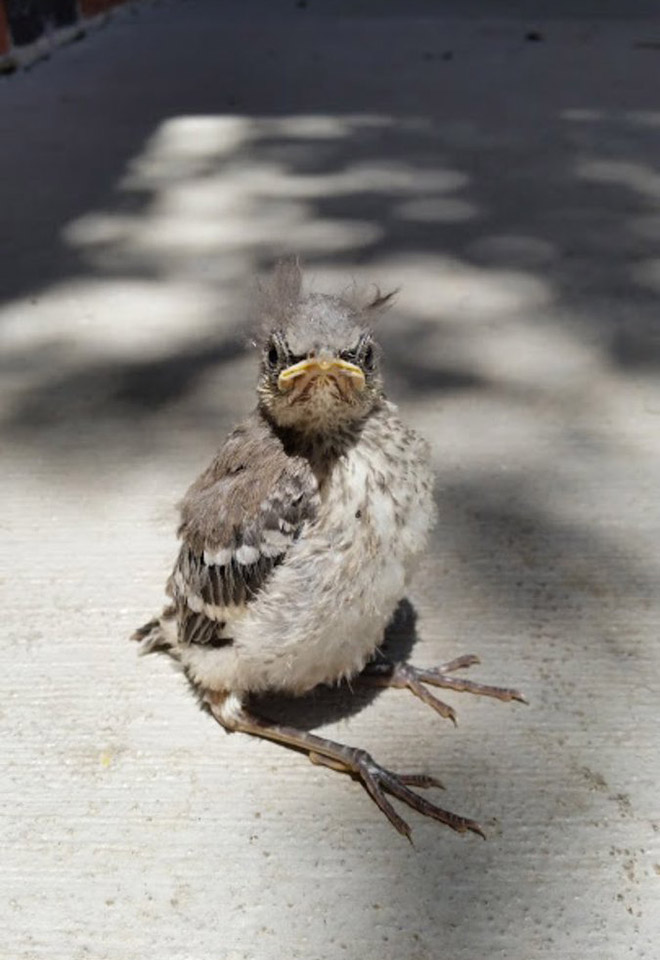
<point>237,522</point>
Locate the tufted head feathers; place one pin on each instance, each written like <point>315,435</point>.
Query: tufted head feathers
<point>319,363</point>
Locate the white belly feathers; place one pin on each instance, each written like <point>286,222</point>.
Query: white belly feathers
<point>346,573</point>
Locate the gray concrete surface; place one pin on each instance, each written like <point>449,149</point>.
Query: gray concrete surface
<point>511,187</point>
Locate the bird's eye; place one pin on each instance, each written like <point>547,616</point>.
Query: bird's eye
<point>273,355</point>
<point>368,358</point>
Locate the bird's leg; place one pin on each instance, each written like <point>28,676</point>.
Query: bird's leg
<point>228,711</point>
<point>387,674</point>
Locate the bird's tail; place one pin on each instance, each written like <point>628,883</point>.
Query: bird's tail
<point>158,634</point>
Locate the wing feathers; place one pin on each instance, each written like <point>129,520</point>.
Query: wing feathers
<point>237,522</point>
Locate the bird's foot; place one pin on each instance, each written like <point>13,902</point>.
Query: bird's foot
<point>386,674</point>
<point>228,711</point>
<point>378,781</point>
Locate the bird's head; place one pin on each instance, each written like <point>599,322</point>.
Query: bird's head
<point>320,364</point>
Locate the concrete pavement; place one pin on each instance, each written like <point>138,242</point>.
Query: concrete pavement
<point>503,171</point>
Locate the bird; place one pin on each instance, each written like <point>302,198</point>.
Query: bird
<point>298,541</point>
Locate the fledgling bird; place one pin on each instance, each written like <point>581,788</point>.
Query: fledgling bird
<point>298,541</point>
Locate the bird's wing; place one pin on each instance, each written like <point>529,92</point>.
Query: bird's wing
<point>238,520</point>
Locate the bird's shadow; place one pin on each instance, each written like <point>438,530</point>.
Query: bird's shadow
<point>327,704</point>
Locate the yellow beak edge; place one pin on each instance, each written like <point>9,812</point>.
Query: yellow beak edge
<point>315,367</point>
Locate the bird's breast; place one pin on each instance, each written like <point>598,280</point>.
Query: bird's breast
<point>328,602</point>
<point>379,495</point>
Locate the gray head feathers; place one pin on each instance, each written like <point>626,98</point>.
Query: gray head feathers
<point>319,362</point>
<point>283,304</point>
<point>279,295</point>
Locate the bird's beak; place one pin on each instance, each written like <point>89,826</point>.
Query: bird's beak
<point>321,367</point>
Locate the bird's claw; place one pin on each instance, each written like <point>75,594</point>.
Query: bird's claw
<point>378,781</point>
<point>413,678</point>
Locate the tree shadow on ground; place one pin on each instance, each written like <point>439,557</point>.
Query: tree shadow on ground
<point>504,203</point>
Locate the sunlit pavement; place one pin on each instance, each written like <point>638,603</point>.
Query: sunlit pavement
<point>504,173</point>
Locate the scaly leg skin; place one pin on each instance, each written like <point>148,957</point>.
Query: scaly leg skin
<point>386,674</point>
<point>227,710</point>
